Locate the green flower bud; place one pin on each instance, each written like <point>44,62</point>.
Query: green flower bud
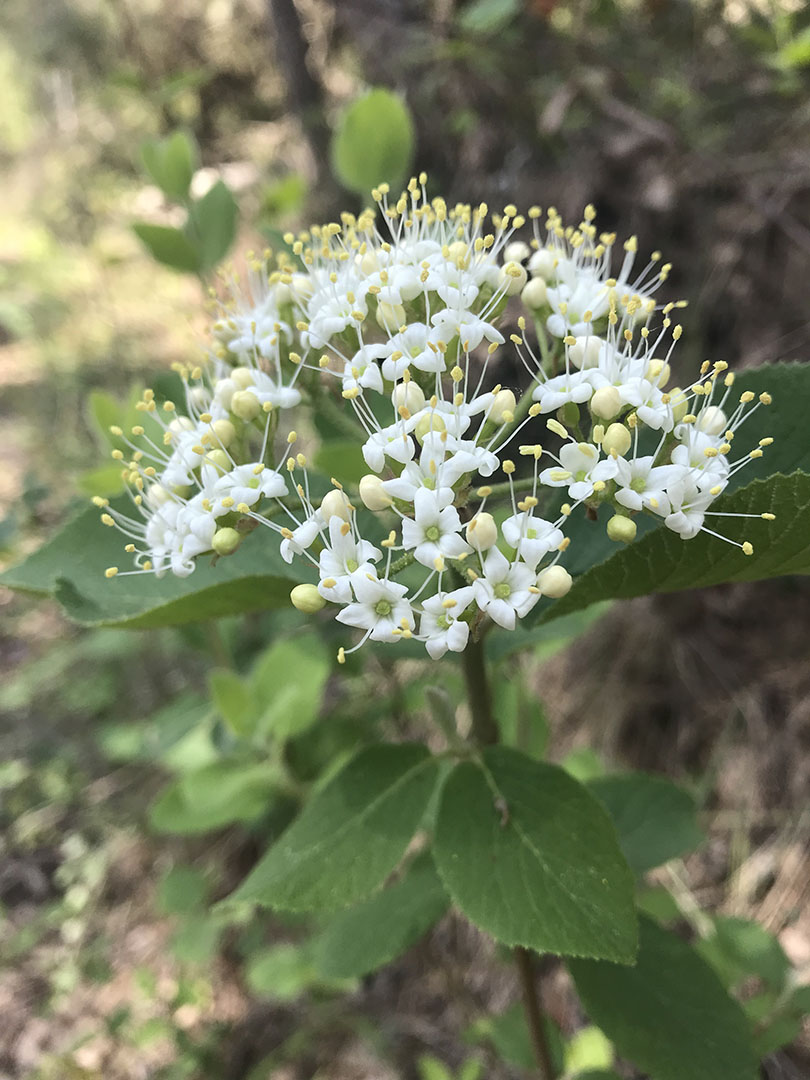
<point>605,402</point>
<point>219,459</point>
<point>431,421</point>
<point>554,581</point>
<point>226,541</point>
<point>245,405</point>
<point>621,529</point>
<point>306,598</point>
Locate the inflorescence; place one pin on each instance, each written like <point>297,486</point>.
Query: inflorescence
<point>401,323</point>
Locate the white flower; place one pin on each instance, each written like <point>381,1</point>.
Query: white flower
<point>470,328</point>
<point>688,505</point>
<point>642,485</point>
<point>243,484</point>
<point>504,590</point>
<point>380,607</point>
<point>700,453</point>
<point>433,534</point>
<point>301,537</point>
<point>579,469</point>
<point>362,370</point>
<point>441,627</point>
<point>392,441</point>
<point>573,386</point>
<point>532,537</point>
<point>434,471</point>
<point>342,557</point>
<point>412,347</point>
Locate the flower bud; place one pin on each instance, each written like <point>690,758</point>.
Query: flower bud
<point>458,250</point>
<point>224,432</point>
<point>429,421</point>
<point>408,395</point>
<point>518,251</point>
<point>226,541</point>
<point>514,277</point>
<point>219,459</point>
<point>617,439</point>
<point>335,504</point>
<point>245,405</point>
<point>584,353</point>
<point>306,598</point>
<point>534,294</point>
<point>606,402</point>
<point>621,529</point>
<point>541,264</point>
<point>368,263</point>
<point>482,532</point>
<point>242,377</point>
<point>554,581</point>
<point>390,316</point>
<point>374,496</point>
<point>224,389</point>
<point>504,403</point>
<point>301,286</point>
<point>180,423</point>
<point>712,420</point>
<point>659,372</point>
<point>568,414</point>
<point>156,495</point>
<point>679,403</point>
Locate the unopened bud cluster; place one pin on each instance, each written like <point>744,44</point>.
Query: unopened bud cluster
<point>400,326</point>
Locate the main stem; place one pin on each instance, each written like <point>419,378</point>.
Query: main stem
<point>485,733</point>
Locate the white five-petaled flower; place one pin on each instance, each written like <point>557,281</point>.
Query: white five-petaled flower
<point>433,533</point>
<point>343,556</point>
<point>532,537</point>
<point>506,591</point>
<point>380,607</point>
<point>641,485</point>
<point>441,626</point>
<point>579,469</point>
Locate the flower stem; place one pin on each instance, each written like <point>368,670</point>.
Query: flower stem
<point>485,733</point>
<point>479,696</point>
<point>534,1013</point>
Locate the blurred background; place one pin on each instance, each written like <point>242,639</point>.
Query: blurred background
<point>686,122</point>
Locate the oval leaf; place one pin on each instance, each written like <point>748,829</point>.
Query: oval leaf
<point>669,1014</point>
<point>366,937</point>
<point>169,246</point>
<point>655,819</point>
<point>530,856</point>
<point>373,143</point>
<point>351,834</point>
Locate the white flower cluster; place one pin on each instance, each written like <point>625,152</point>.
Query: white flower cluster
<point>402,327</point>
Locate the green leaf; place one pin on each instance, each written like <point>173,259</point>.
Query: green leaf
<point>531,857</point>
<point>343,458</point>
<point>287,685</point>
<point>373,143</point>
<point>233,701</point>
<point>588,1050</point>
<point>349,836</point>
<point>796,52</point>
<point>212,222</point>
<point>182,889</point>
<point>196,941</point>
<point>669,1015</point>
<point>218,794</point>
<point>171,163</point>
<point>488,16</point>
<point>106,480</point>
<point>373,933</point>
<point>281,973</point>
<point>509,1035</point>
<point>169,246</point>
<point>655,819</point>
<point>741,948</point>
<point>71,567</point>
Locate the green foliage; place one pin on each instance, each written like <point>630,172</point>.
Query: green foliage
<point>349,836</point>
<point>796,52</point>
<point>740,948</point>
<point>654,818</point>
<point>364,938</point>
<point>509,1035</point>
<point>212,224</point>
<point>555,879</point>
<point>233,701</point>
<point>283,972</point>
<point>373,143</point>
<point>488,16</point>
<point>215,795</point>
<point>287,684</point>
<point>669,1015</point>
<point>588,1050</point>
<point>171,163</point>
<point>182,890</point>
<point>431,1068</point>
